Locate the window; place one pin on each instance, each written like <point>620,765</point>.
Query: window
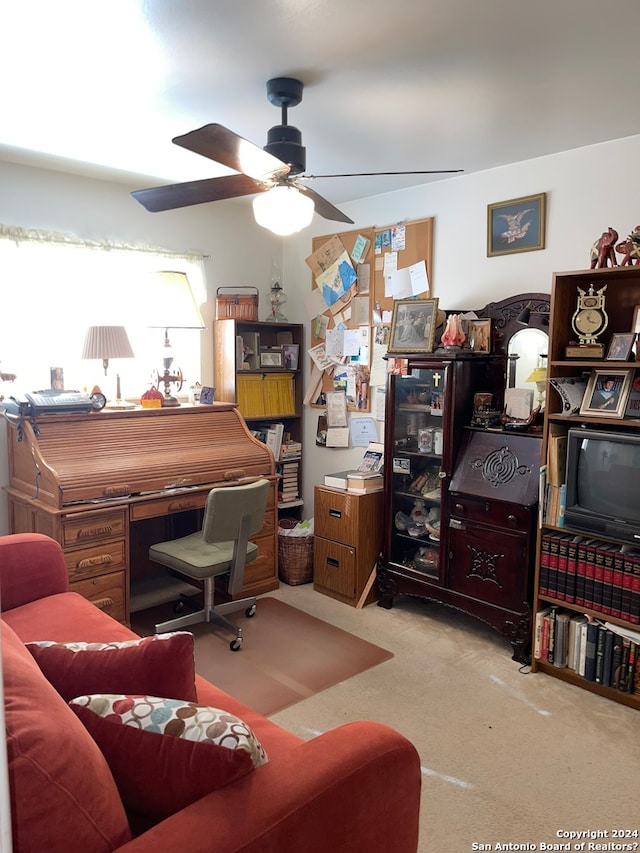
<point>53,288</point>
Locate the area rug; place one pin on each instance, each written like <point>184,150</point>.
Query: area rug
<point>287,654</point>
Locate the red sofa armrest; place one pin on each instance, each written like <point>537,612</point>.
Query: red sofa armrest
<point>352,789</point>
<point>32,566</point>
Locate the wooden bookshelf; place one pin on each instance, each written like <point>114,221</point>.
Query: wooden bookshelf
<point>621,296</point>
<point>264,394</point>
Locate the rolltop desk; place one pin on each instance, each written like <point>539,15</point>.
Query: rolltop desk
<point>108,484</point>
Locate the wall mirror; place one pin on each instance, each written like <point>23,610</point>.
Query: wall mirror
<point>520,328</point>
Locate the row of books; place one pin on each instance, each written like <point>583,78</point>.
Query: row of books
<point>599,575</point>
<point>265,395</point>
<point>597,651</point>
<point>288,484</point>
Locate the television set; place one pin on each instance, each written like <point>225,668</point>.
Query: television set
<point>603,483</point>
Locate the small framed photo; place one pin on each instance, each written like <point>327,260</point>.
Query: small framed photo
<point>516,225</point>
<point>291,355</point>
<point>606,393</point>
<point>57,378</point>
<point>620,346</point>
<point>271,357</point>
<point>413,325</point>
<point>206,395</point>
<point>479,335</point>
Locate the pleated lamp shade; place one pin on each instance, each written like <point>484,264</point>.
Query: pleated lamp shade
<point>105,342</point>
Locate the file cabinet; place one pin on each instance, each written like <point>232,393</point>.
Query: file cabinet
<point>348,540</point>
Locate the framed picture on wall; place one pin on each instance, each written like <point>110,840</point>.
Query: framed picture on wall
<point>413,325</point>
<point>516,225</point>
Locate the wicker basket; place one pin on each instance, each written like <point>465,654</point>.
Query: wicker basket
<point>295,555</point>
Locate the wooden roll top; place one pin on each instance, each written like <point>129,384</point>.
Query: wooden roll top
<point>92,457</point>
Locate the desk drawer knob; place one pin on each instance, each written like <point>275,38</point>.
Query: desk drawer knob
<point>459,508</point>
<point>103,603</point>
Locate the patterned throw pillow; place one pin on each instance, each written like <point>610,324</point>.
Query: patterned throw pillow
<point>161,665</point>
<point>164,753</point>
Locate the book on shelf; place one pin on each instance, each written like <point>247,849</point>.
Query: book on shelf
<point>539,648</point>
<point>274,439</point>
<point>591,642</point>
<point>556,458</point>
<point>551,633</point>
<point>581,660</point>
<point>561,639</point>
<point>574,641</point>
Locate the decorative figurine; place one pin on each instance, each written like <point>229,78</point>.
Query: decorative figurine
<point>630,248</point>
<point>603,250</point>
<point>453,336</point>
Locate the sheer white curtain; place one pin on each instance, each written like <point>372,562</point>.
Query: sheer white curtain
<point>54,287</point>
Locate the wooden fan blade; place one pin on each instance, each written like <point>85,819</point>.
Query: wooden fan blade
<point>323,207</point>
<point>224,146</point>
<point>173,196</point>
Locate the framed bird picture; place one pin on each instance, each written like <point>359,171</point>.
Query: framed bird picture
<point>516,225</point>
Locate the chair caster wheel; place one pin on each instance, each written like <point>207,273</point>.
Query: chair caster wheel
<point>251,611</point>
<point>235,645</point>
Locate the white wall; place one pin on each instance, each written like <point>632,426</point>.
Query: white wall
<point>587,189</point>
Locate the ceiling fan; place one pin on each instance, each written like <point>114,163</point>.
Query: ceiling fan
<point>275,170</point>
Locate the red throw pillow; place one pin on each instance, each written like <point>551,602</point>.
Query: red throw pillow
<point>165,754</point>
<point>161,665</point>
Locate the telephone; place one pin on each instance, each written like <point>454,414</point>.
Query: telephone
<point>46,402</point>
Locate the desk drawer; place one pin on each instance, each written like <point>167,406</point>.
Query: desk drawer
<point>168,505</point>
<point>90,526</point>
<point>100,559</point>
<point>495,513</point>
<point>107,592</point>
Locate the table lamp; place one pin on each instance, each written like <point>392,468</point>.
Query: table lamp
<point>173,307</point>
<point>539,378</point>
<point>106,342</point>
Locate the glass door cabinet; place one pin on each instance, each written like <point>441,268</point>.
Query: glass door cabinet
<point>444,506</point>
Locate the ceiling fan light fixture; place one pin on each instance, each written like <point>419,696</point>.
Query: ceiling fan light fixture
<point>283,210</point>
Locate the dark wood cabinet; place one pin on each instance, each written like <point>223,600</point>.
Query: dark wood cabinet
<point>460,503</point>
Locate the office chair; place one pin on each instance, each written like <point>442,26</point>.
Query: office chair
<point>231,515</point>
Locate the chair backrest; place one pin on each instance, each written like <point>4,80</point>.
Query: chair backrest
<point>227,506</point>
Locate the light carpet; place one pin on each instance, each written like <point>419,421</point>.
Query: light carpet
<point>287,655</point>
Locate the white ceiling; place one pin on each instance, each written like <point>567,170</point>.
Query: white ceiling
<point>101,88</point>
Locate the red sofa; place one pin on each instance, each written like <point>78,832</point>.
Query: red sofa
<point>355,788</point>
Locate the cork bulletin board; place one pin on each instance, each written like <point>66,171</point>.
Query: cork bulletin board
<point>364,303</point>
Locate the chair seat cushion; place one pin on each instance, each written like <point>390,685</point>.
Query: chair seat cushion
<point>194,557</point>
